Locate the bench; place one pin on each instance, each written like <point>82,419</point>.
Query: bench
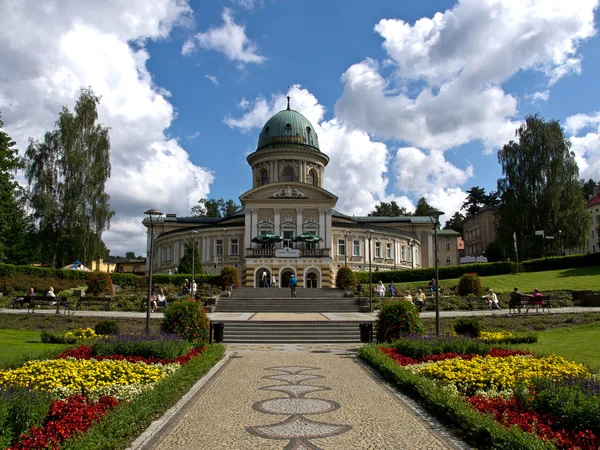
<point>525,299</point>
<point>106,301</point>
<point>41,300</point>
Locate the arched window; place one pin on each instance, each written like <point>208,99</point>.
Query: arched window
<point>264,176</point>
<point>287,174</point>
<point>312,177</point>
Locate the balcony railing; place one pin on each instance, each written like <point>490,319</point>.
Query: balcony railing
<point>270,252</point>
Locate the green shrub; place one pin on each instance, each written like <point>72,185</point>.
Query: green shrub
<point>561,262</point>
<point>127,279</point>
<point>345,278</point>
<point>159,346</point>
<point>420,346</point>
<point>470,283</point>
<point>21,409</point>
<point>468,326</point>
<point>53,337</point>
<point>396,319</point>
<point>186,318</point>
<point>105,327</point>
<point>99,283</point>
<point>230,276</point>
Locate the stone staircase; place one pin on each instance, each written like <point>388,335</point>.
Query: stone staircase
<point>282,332</point>
<point>278,300</point>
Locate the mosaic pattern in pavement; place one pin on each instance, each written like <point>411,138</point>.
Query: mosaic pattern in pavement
<point>296,428</point>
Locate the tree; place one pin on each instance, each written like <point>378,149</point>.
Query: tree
<point>474,201</point>
<point>494,252</point>
<point>587,188</point>
<point>384,209</point>
<point>15,231</point>
<point>455,222</point>
<point>423,207</point>
<point>540,191</point>
<point>185,265</point>
<point>214,208</point>
<point>67,173</point>
<point>130,255</point>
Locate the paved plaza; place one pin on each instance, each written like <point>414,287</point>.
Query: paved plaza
<point>295,397</point>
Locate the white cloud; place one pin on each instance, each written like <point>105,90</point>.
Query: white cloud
<point>77,45</point>
<point>188,47</point>
<point>462,57</point>
<point>586,147</point>
<point>243,104</point>
<point>248,4</point>
<point>231,40</point>
<point>213,79</point>
<point>543,96</point>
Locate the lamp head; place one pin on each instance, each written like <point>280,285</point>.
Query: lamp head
<point>369,233</point>
<point>435,213</point>
<point>153,212</point>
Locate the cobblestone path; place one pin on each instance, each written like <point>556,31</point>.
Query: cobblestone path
<point>305,399</point>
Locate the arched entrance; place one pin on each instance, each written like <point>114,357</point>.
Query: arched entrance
<point>311,278</point>
<point>285,277</point>
<point>258,277</point>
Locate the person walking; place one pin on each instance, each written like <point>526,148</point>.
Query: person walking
<point>293,283</point>
<point>273,282</point>
<point>265,283</point>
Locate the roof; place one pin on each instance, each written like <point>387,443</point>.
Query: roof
<point>288,127</point>
<point>595,200</point>
<point>385,219</point>
<point>448,233</point>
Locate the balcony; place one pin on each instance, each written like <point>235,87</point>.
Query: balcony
<point>303,252</point>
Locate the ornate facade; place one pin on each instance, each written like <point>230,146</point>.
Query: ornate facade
<point>288,199</point>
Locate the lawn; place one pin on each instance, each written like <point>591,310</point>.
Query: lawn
<point>572,343</point>
<point>577,279</point>
<point>19,346</point>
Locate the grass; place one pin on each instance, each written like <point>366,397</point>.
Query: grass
<point>572,343</point>
<point>19,346</point>
<point>577,279</point>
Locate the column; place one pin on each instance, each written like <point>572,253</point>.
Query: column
<point>299,212</point>
<point>247,228</point>
<point>328,227</point>
<point>430,250</point>
<point>277,221</point>
<point>254,228</point>
<point>322,224</point>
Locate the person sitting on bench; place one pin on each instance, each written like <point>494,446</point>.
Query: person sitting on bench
<point>535,300</point>
<point>419,300</point>
<point>493,300</point>
<point>515,300</point>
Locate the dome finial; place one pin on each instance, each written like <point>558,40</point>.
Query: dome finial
<point>288,97</point>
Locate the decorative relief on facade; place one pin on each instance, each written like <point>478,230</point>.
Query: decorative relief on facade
<point>265,220</point>
<point>288,192</point>
<point>288,219</point>
<point>310,220</point>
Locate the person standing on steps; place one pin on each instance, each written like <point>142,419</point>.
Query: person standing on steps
<point>265,283</point>
<point>293,283</point>
<point>273,282</point>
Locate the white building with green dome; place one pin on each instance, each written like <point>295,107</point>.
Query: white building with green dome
<point>288,223</point>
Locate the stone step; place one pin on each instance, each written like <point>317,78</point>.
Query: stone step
<point>246,292</point>
<point>288,305</point>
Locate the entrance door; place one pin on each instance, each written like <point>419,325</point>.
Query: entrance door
<point>285,278</point>
<point>311,280</point>
<point>259,277</point>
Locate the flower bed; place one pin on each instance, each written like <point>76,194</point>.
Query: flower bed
<point>85,388</point>
<point>528,397</point>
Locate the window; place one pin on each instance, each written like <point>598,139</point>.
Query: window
<point>287,174</point>
<point>447,260</point>
<point>288,235</point>
<point>233,247</point>
<point>312,177</point>
<point>356,247</point>
<point>169,253</point>
<point>438,245</point>
<point>341,247</point>
<point>219,247</point>
<point>403,253</point>
<point>377,249</point>
<point>388,250</point>
<point>264,177</point>
<point>447,246</point>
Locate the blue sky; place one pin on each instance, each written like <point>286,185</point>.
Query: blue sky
<point>409,99</point>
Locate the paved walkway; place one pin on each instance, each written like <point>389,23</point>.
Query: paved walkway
<point>299,397</point>
<point>359,317</point>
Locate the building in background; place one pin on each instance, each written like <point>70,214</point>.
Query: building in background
<point>478,231</point>
<point>448,247</point>
<point>136,266</point>
<point>288,224</point>
<point>592,242</point>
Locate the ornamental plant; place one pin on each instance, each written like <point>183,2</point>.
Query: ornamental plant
<point>105,327</point>
<point>99,283</point>
<point>421,346</point>
<point>20,409</point>
<point>470,283</point>
<point>468,326</point>
<point>164,346</point>
<point>186,318</point>
<point>345,278</point>
<point>397,319</point>
<point>229,277</point>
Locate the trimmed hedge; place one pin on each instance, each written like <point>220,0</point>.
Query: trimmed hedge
<point>561,262</point>
<point>404,276</point>
<point>177,280</point>
<point>122,279</point>
<point>481,430</point>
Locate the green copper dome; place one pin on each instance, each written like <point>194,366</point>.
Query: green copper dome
<point>288,127</point>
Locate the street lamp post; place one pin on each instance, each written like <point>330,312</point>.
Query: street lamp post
<point>370,236</point>
<point>345,233</point>
<point>151,214</point>
<point>411,244</point>
<point>436,213</point>
<point>193,235</point>
<point>223,232</point>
